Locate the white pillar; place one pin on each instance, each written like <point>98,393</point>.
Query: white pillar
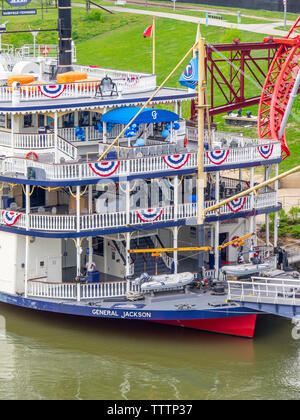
<point>175,245</point>
<point>180,109</point>
<point>104,132</point>
<point>175,230</point>
<point>127,202</point>
<point>27,205</point>
<point>128,260</point>
<point>78,247</point>
<point>55,137</point>
<point>78,257</point>
<point>12,133</point>
<point>176,107</point>
<point>90,208</point>
<point>252,205</point>
<point>26,264</point>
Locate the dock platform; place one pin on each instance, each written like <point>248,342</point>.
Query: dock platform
<point>272,295</point>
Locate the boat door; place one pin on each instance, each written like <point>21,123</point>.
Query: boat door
<point>224,238</point>
<point>54,269</point>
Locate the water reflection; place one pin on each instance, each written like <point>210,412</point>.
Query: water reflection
<point>45,356</point>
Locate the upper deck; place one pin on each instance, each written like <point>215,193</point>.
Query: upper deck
<point>42,94</point>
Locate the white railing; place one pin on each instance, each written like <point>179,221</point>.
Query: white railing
<point>37,50</point>
<point>80,89</point>
<point>127,166</point>
<point>79,291</point>
<point>265,290</point>
<point>95,221</point>
<point>83,170</point>
<point>38,142</point>
<point>264,200</point>
<point>165,257</point>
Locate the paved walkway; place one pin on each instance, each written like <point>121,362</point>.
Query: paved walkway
<point>261,28</point>
<point>212,9</point>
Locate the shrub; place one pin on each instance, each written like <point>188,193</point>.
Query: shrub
<point>94,16</point>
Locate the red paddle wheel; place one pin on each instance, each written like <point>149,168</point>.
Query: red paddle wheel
<point>278,87</point>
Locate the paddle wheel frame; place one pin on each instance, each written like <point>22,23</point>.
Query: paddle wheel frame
<point>278,87</point>
<point>228,68</point>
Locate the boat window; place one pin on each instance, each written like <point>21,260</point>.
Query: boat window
<point>2,120</point>
<point>28,121</point>
<point>84,118</point>
<point>68,120</point>
<point>98,246</point>
<point>96,117</point>
<point>41,120</point>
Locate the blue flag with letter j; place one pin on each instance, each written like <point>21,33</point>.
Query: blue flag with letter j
<point>189,77</point>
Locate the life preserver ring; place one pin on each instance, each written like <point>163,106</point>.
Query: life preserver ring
<point>45,49</point>
<point>34,155</point>
<point>236,244</point>
<point>91,266</point>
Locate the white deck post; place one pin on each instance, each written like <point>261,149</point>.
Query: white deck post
<point>55,136</point>
<point>27,205</point>
<point>26,264</point>
<point>78,247</point>
<point>12,133</point>
<point>252,205</point>
<point>128,236</point>
<point>217,226</point>
<point>175,230</point>
<point>127,261</point>
<point>90,207</point>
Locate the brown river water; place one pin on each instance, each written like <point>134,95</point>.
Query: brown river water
<point>50,357</point>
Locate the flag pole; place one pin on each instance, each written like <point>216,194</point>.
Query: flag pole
<point>200,174</point>
<point>153,59</point>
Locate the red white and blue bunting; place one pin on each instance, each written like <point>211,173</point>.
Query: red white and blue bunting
<point>217,157</point>
<point>131,80</point>
<point>149,215</point>
<point>176,161</point>
<point>10,217</point>
<point>105,168</point>
<point>266,150</point>
<point>237,205</point>
<point>52,91</point>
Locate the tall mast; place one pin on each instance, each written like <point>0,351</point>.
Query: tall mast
<point>201,174</point>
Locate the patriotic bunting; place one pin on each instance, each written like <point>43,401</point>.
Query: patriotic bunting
<point>52,91</point>
<point>105,168</point>
<point>149,215</point>
<point>10,217</point>
<point>217,157</point>
<point>237,205</point>
<point>266,150</point>
<point>176,161</point>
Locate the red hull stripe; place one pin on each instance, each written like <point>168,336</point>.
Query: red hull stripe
<point>242,326</point>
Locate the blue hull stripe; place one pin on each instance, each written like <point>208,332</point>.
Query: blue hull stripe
<point>124,313</point>
<point>94,103</point>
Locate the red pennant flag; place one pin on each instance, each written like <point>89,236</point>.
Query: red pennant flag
<point>148,32</point>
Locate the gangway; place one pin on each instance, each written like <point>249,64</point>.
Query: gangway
<point>276,296</point>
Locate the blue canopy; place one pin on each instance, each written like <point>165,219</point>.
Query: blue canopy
<point>147,116</point>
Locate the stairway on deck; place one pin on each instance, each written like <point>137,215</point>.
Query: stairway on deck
<point>145,262</point>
